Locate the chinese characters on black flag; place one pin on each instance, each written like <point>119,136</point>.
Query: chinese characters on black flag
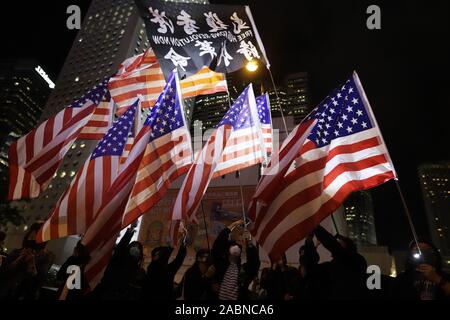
<point>190,36</point>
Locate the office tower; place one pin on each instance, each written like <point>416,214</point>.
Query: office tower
<point>358,209</point>
<point>24,89</point>
<point>297,96</point>
<point>435,185</point>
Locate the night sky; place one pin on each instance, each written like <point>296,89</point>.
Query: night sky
<point>404,68</point>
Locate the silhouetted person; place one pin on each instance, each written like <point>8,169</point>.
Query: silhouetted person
<point>25,270</point>
<point>195,284</point>
<point>80,257</point>
<point>344,277</point>
<point>281,281</point>
<point>423,278</point>
<point>124,276</point>
<point>159,284</point>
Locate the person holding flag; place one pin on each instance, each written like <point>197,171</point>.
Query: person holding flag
<point>236,143</point>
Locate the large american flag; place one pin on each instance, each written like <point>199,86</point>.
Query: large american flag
<point>344,152</point>
<point>78,207</point>
<point>161,152</point>
<point>236,143</point>
<point>168,153</point>
<point>263,105</point>
<point>35,157</point>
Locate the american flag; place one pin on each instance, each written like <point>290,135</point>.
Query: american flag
<point>204,81</point>
<point>100,121</point>
<point>161,152</point>
<point>236,143</point>
<point>343,153</point>
<point>167,156</point>
<point>77,208</point>
<point>142,74</point>
<point>34,158</point>
<point>263,105</point>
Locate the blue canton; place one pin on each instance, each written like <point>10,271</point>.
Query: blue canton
<point>166,116</point>
<point>340,114</point>
<point>95,95</point>
<point>239,115</point>
<point>263,109</point>
<point>115,139</point>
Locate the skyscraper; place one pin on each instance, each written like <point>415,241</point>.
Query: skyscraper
<point>358,211</point>
<point>435,185</point>
<point>24,89</point>
<point>297,95</point>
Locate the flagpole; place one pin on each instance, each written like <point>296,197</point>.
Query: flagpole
<point>244,215</point>
<point>408,215</point>
<point>396,178</point>
<point>206,226</point>
<point>278,100</point>
<point>334,223</point>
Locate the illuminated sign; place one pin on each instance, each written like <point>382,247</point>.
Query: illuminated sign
<point>45,76</point>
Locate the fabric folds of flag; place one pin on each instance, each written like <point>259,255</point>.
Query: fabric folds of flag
<point>203,82</point>
<point>35,157</point>
<point>139,74</point>
<point>168,154</point>
<point>100,121</point>
<point>343,153</point>
<point>263,106</point>
<point>236,143</point>
<point>77,208</point>
<point>142,74</point>
<point>160,153</point>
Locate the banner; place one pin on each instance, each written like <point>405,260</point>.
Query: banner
<point>190,36</point>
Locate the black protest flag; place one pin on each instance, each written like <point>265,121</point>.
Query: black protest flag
<point>189,36</point>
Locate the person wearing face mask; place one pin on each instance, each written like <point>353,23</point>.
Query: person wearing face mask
<point>25,270</point>
<point>124,276</point>
<point>423,278</point>
<point>230,279</point>
<point>159,283</point>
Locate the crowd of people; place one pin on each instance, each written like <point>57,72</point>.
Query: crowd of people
<point>221,274</point>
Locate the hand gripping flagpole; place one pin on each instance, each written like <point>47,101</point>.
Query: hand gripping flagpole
<point>397,184</point>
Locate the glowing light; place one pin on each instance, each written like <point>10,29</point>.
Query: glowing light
<point>252,66</point>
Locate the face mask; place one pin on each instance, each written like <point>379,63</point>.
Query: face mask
<point>135,252</point>
<point>235,251</point>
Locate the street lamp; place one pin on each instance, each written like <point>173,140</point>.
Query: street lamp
<point>252,66</point>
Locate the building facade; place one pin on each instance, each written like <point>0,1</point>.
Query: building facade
<point>359,214</point>
<point>297,99</point>
<point>434,182</point>
<point>24,90</point>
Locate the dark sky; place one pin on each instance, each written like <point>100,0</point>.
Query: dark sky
<point>404,68</point>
